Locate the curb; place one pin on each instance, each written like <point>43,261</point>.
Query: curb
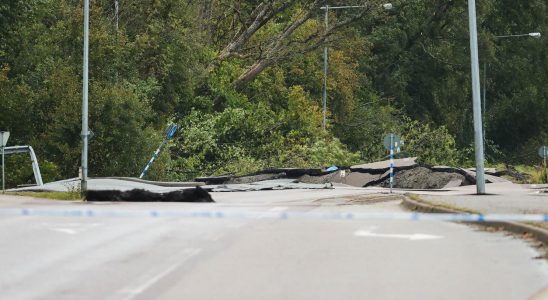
<point>539,234</point>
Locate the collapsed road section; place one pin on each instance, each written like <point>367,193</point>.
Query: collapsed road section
<point>408,175</point>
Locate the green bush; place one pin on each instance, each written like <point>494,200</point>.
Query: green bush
<point>432,146</point>
<point>240,141</point>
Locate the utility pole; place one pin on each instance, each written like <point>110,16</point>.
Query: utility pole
<point>478,131</point>
<point>385,6</point>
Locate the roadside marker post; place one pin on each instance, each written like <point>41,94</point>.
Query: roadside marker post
<point>543,152</point>
<point>391,162</point>
<point>170,131</point>
<point>4,136</point>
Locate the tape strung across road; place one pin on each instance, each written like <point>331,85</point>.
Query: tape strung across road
<point>284,215</point>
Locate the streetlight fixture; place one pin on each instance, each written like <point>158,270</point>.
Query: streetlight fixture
<point>386,6</point>
<point>530,34</point>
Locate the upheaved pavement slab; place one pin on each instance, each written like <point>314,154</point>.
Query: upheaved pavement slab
<point>277,184</point>
<point>361,179</point>
<point>120,184</point>
<point>125,184</point>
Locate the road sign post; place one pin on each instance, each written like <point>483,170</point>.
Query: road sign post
<point>4,136</point>
<point>391,142</point>
<point>543,152</point>
<point>391,162</point>
<point>170,131</point>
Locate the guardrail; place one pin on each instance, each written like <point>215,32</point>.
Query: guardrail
<point>34,160</point>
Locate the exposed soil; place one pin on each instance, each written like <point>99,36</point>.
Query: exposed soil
<point>424,178</point>
<point>414,178</point>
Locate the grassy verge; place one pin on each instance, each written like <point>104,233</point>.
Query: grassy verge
<point>524,173</point>
<point>50,195</point>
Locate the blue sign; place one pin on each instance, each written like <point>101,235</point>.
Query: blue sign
<point>171,131</point>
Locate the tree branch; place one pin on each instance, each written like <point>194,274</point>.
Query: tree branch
<point>263,13</point>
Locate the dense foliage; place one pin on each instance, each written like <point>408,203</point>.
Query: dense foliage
<point>243,79</point>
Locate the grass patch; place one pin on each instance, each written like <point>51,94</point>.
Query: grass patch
<point>417,198</point>
<point>535,174</point>
<point>540,175</point>
<point>50,195</point>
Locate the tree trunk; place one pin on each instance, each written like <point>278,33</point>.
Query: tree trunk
<point>251,73</point>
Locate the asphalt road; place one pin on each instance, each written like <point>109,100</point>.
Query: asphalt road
<point>175,258</point>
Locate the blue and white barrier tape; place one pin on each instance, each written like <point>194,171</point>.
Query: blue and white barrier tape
<point>227,214</point>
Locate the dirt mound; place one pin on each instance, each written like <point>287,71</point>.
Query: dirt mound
<point>424,178</point>
<point>416,177</point>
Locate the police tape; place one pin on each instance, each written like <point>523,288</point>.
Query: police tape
<point>283,215</point>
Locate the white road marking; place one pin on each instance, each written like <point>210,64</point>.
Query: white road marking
<point>70,228</point>
<point>278,209</point>
<point>134,291</point>
<point>64,230</point>
<point>90,225</point>
<point>411,237</point>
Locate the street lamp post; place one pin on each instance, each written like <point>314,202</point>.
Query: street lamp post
<point>386,6</point>
<point>478,132</point>
<point>85,128</point>
<point>530,34</point>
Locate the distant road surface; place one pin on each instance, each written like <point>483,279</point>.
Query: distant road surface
<point>258,258</point>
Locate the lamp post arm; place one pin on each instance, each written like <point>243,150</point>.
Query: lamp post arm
<point>531,34</point>
<point>327,7</point>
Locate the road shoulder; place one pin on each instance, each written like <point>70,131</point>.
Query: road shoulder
<point>414,203</point>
